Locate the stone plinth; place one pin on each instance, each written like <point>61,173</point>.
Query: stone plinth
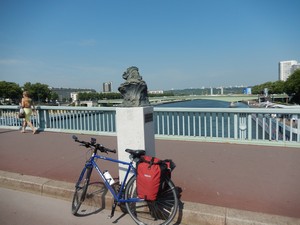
<point>135,130</point>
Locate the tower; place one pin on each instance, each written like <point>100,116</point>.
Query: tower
<point>107,87</point>
<point>285,69</point>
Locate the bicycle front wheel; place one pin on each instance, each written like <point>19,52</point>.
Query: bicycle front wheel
<point>81,189</point>
<point>159,212</point>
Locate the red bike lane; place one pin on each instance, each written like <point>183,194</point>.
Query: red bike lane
<point>247,177</point>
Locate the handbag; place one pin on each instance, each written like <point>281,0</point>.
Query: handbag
<point>21,114</point>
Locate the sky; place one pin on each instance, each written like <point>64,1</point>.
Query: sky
<point>176,44</point>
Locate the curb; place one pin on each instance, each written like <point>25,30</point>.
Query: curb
<point>189,213</point>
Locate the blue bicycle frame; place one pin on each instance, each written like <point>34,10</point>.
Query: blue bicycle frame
<point>117,196</point>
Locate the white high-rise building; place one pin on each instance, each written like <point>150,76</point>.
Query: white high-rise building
<point>286,69</point>
<point>295,67</point>
<point>107,87</point>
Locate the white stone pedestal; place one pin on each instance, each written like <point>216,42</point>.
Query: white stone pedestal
<point>135,130</point>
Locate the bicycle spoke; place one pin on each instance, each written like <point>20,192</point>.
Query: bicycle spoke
<point>159,212</point>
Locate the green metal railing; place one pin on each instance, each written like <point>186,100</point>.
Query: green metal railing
<point>266,126</point>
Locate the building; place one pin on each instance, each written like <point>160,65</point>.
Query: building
<point>156,92</point>
<point>107,87</point>
<point>286,69</point>
<point>64,94</point>
<point>247,91</point>
<point>87,103</point>
<point>74,96</point>
<point>295,67</point>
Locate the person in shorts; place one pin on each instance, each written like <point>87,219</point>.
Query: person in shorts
<point>28,106</point>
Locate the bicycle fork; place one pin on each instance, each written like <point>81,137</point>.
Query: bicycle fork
<point>89,169</point>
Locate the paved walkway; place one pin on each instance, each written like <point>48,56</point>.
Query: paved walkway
<point>44,210</point>
<point>254,178</point>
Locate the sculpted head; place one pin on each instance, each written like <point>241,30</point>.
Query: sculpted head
<point>132,73</point>
<point>134,90</point>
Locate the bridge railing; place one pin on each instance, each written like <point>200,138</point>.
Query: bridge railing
<point>265,126</point>
<point>241,125</point>
<point>86,120</point>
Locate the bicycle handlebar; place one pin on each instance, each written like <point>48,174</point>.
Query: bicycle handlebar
<point>93,144</point>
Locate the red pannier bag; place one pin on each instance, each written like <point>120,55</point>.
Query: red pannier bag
<point>151,173</point>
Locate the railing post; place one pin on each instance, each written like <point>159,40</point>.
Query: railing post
<point>249,127</point>
<point>236,125</point>
<point>43,118</point>
<point>242,126</point>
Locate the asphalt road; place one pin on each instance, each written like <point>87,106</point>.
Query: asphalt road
<point>23,208</point>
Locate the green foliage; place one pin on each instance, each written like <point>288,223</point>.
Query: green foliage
<point>292,86</point>
<point>276,87</point>
<point>10,90</point>
<point>38,92</point>
<point>166,93</point>
<point>54,96</point>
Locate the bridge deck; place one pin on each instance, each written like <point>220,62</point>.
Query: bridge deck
<point>256,178</point>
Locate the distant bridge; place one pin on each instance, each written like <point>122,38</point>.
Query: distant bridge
<point>169,99</point>
<point>226,98</point>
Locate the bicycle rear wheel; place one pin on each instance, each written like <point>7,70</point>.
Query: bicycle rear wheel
<point>159,212</point>
<point>81,189</point>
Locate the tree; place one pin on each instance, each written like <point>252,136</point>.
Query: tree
<point>259,89</point>
<point>276,87</point>
<point>11,91</point>
<point>38,92</point>
<point>54,96</point>
<point>292,86</point>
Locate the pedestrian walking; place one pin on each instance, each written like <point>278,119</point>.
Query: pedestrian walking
<point>28,106</point>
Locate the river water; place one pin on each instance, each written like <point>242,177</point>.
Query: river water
<point>177,123</point>
<point>203,104</point>
<point>214,122</point>
<point>196,124</point>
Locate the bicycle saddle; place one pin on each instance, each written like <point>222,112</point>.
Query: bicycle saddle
<point>135,153</point>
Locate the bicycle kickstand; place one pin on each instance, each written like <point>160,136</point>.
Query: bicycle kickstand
<point>113,208</point>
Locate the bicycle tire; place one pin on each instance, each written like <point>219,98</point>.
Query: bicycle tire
<point>159,212</point>
<point>81,189</point>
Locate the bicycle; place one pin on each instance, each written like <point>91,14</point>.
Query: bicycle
<point>161,211</point>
